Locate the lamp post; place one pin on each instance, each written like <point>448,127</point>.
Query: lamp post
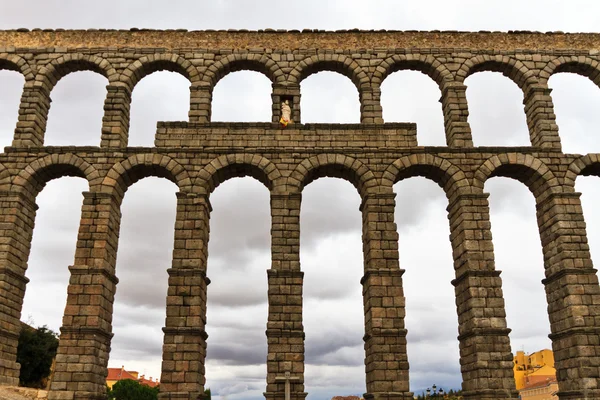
<point>434,393</point>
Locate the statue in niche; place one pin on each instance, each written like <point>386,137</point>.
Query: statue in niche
<point>286,114</point>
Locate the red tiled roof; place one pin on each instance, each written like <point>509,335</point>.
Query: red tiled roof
<point>117,374</point>
<point>540,383</point>
<point>148,382</point>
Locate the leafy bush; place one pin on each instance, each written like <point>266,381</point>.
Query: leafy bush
<point>35,352</point>
<point>128,389</point>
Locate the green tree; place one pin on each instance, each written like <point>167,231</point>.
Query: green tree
<point>35,352</point>
<point>207,394</point>
<point>128,389</point>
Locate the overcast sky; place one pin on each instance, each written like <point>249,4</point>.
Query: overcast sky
<point>331,223</point>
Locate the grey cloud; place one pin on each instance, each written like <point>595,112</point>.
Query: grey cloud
<point>235,354</point>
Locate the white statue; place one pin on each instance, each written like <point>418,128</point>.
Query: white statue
<point>286,114</point>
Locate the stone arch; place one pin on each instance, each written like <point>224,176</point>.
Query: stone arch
<point>37,173</point>
<point>127,172</point>
<point>230,166</point>
<point>146,65</point>
<point>513,69</point>
<point>426,64</point>
<point>336,166</point>
<point>588,165</point>
<point>525,168</point>
<point>330,62</point>
<point>580,65</point>
<point>13,62</point>
<point>447,175</point>
<point>50,74</point>
<point>242,62</point>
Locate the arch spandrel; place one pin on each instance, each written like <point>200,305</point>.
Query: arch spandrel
<point>514,69</point>
<point>239,165</point>
<point>13,62</point>
<point>127,172</point>
<point>246,62</point>
<point>330,62</point>
<point>588,165</point>
<point>525,168</point>
<point>39,172</point>
<point>146,65</point>
<point>425,64</point>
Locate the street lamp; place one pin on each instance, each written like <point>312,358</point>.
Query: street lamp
<point>434,392</point>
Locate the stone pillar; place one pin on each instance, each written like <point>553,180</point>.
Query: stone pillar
<point>541,120</point>
<point>573,296</point>
<point>200,102</point>
<point>184,349</point>
<point>17,216</point>
<point>282,92</point>
<point>33,115</point>
<point>84,347</point>
<point>386,362</point>
<point>371,111</point>
<point>456,115</point>
<point>285,332</point>
<point>485,355</point>
<point>115,123</point>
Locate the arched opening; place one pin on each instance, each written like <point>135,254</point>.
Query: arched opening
<point>243,96</point>
<point>411,96</point>
<point>144,255</point>
<point>329,97</point>
<point>52,249</point>
<point>496,113</point>
<point>589,187</point>
<point>576,100</point>
<point>426,256</point>
<point>237,309</point>
<point>12,84</point>
<point>332,260</point>
<point>160,96</point>
<point>519,256</point>
<point>75,117</point>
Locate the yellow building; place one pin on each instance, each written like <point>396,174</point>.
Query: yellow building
<point>534,368</point>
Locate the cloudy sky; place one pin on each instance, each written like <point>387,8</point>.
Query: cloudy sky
<point>331,228</point>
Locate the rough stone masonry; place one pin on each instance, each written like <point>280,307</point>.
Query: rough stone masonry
<point>198,155</point>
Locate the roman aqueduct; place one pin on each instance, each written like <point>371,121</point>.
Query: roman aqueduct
<point>198,155</point>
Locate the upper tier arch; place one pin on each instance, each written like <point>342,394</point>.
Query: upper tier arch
<point>425,64</point>
<point>330,62</point>
<point>243,62</point>
<point>580,65</point>
<point>146,65</point>
<point>50,74</point>
<point>508,66</point>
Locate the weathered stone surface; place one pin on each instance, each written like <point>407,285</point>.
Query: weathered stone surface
<point>198,155</point>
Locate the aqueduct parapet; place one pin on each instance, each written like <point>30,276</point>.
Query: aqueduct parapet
<point>198,155</point>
